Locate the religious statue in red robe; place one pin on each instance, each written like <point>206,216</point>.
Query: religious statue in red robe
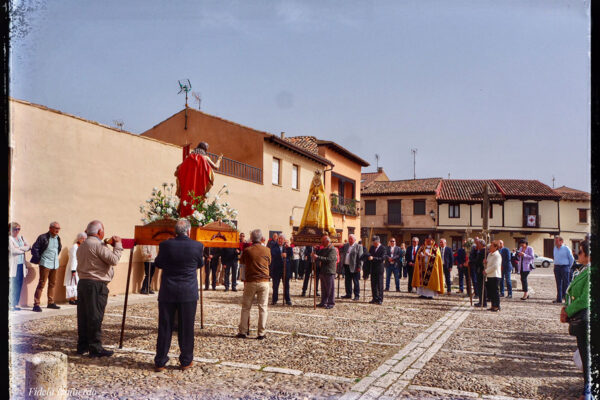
<point>195,174</point>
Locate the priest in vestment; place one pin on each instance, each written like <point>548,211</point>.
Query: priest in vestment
<point>428,275</point>
<point>317,213</point>
<point>195,174</point>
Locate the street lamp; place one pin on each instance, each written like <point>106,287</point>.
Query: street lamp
<point>432,215</point>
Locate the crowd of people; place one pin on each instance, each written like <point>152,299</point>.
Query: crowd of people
<point>259,263</point>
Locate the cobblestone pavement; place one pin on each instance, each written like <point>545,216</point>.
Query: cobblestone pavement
<point>408,348</point>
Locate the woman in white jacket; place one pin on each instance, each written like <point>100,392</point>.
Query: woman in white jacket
<point>17,270</point>
<point>71,277</point>
<point>493,273</point>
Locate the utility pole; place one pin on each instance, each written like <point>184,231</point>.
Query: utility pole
<point>414,152</point>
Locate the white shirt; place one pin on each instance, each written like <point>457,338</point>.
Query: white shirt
<point>347,259</point>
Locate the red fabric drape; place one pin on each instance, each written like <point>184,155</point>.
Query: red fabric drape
<point>194,174</point>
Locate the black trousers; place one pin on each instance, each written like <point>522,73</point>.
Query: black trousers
<point>148,274</point>
<point>286,286</point>
<point>92,296</point>
<point>411,269</point>
<point>231,272</point>
<point>447,278</point>
<point>186,316</point>
<point>524,275</point>
<point>493,288</point>
<point>481,281</point>
<point>377,282</point>
<point>307,275</point>
<point>211,270</point>
<point>349,279</point>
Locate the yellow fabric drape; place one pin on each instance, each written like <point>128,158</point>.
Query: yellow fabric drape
<point>317,213</point>
<point>436,280</point>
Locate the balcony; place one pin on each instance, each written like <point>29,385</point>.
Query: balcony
<point>237,169</point>
<point>392,219</point>
<point>343,206</point>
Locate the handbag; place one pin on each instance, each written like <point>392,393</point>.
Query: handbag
<point>72,288</point>
<point>578,322</point>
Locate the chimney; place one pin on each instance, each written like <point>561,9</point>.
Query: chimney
<point>283,135</point>
<point>379,170</point>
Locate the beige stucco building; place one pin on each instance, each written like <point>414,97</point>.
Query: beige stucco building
<point>574,216</point>
<point>72,170</point>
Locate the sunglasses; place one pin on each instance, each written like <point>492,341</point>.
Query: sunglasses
<point>16,229</point>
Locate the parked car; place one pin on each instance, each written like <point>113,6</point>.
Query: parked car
<point>542,261</point>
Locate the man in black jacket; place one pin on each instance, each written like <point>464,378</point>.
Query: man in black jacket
<point>179,259</point>
<point>308,250</point>
<point>280,256</point>
<point>45,252</point>
<point>229,259</point>
<point>212,266</point>
<point>411,254</point>
<point>393,261</point>
<point>479,267</point>
<point>376,256</point>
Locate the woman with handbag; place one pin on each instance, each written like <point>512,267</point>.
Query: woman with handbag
<point>526,257</point>
<point>576,312</point>
<point>71,277</point>
<point>17,270</point>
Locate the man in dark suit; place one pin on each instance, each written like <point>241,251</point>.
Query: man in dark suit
<point>479,267</point>
<point>392,265</point>
<point>376,256</point>
<point>411,256</point>
<point>179,259</point>
<point>472,259</point>
<point>308,250</point>
<point>280,256</point>
<point>447,260</point>
<point>212,256</point>
<point>229,259</point>
<point>461,265</point>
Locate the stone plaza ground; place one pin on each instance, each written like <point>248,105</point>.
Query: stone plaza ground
<point>408,348</point>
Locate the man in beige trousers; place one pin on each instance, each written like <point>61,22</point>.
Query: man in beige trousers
<point>256,260</point>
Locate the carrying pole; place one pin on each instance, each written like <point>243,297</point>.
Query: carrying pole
<point>127,295</point>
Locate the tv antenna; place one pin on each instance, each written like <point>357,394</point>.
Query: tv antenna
<point>377,161</point>
<point>553,179</point>
<point>119,123</point>
<point>414,152</point>
<point>185,86</point>
<point>197,97</point>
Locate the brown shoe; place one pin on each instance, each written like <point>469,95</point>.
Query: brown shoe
<point>183,368</point>
<point>159,369</point>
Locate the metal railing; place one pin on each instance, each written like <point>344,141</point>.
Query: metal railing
<point>237,169</point>
<point>392,219</point>
<point>342,205</point>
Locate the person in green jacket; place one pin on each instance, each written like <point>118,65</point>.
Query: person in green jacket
<point>576,313</point>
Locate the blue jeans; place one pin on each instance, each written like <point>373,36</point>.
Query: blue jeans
<point>16,284</point>
<point>561,275</point>
<point>389,269</point>
<point>506,277</point>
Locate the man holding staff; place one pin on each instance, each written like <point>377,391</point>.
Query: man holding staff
<point>179,258</point>
<point>280,254</point>
<point>327,258</point>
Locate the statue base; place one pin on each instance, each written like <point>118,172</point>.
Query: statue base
<point>311,236</point>
<point>215,234</point>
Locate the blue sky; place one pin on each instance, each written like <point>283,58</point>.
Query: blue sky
<point>482,88</point>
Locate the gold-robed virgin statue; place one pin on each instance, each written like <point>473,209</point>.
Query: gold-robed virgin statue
<point>317,213</point>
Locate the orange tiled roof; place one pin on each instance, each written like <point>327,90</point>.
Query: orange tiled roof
<point>568,193</point>
<point>467,189</point>
<point>308,143</point>
<point>409,186</point>
<point>311,144</point>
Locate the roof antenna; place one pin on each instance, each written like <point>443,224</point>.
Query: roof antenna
<point>377,161</point>
<point>553,179</point>
<point>119,123</point>
<point>414,151</point>
<point>185,86</point>
<point>197,98</point>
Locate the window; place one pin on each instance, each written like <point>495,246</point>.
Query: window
<point>276,168</point>
<point>530,215</point>
<point>456,243</point>
<point>370,207</point>
<point>419,207</point>
<point>453,210</point>
<point>394,212</point>
<point>295,182</point>
<point>583,216</point>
